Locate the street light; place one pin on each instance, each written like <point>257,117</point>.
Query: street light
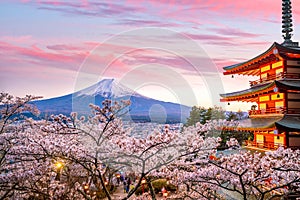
<point>118,178</point>
<point>143,182</point>
<point>58,165</point>
<point>86,188</point>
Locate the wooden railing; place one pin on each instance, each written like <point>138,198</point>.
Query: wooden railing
<point>263,145</point>
<point>292,111</point>
<point>267,111</point>
<point>275,77</point>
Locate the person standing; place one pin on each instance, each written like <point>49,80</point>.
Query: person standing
<point>124,185</point>
<point>128,182</point>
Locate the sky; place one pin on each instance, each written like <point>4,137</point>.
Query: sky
<point>168,50</point>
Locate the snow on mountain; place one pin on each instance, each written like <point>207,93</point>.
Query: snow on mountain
<point>108,88</point>
<point>142,109</point>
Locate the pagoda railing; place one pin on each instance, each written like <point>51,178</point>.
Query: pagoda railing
<point>272,77</point>
<point>275,111</point>
<point>267,111</point>
<point>263,145</point>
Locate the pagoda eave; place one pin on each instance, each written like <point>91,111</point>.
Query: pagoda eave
<point>253,64</point>
<point>257,124</point>
<point>289,123</point>
<point>275,53</point>
<point>252,94</point>
<point>249,95</point>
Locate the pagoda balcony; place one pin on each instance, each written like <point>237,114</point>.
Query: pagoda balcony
<point>274,111</point>
<point>263,145</point>
<point>269,111</point>
<point>282,75</point>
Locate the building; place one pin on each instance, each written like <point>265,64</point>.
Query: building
<point>274,118</point>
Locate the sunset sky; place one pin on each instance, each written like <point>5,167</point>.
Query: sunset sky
<point>167,50</point>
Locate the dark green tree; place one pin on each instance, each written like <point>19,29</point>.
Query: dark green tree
<point>202,115</point>
<point>194,116</point>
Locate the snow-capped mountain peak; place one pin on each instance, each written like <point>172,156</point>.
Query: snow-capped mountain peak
<point>143,109</point>
<point>107,88</point>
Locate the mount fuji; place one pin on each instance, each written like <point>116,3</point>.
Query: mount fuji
<point>142,109</point>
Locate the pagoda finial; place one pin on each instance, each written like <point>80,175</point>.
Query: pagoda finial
<point>287,23</point>
<point>287,20</point>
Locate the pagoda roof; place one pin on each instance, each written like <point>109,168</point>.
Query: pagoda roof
<point>248,94</point>
<point>288,84</point>
<point>252,93</point>
<point>289,123</point>
<point>259,122</point>
<point>252,66</point>
<point>256,124</point>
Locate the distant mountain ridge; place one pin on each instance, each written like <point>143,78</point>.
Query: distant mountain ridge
<point>142,109</point>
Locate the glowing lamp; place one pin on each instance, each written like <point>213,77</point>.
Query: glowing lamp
<point>58,165</point>
<point>85,187</point>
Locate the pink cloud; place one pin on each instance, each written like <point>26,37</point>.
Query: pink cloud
<point>63,47</point>
<point>143,22</point>
<point>220,63</point>
<point>235,32</point>
<point>35,55</point>
<point>17,39</point>
<point>234,39</point>
<point>207,37</point>
<point>212,39</point>
<point>87,8</point>
<point>165,13</point>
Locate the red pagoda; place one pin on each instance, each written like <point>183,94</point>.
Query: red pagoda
<point>275,117</point>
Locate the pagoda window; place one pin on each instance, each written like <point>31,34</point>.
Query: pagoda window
<point>277,96</point>
<point>263,107</point>
<point>277,64</point>
<point>264,98</point>
<point>265,68</point>
<point>259,138</point>
<point>279,140</point>
<point>264,76</point>
<point>278,71</point>
<point>279,104</point>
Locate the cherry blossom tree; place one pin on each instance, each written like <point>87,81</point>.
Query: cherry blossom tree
<point>166,148</point>
<point>75,157</point>
<point>243,174</point>
<point>12,110</point>
<point>94,144</point>
<point>88,147</point>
